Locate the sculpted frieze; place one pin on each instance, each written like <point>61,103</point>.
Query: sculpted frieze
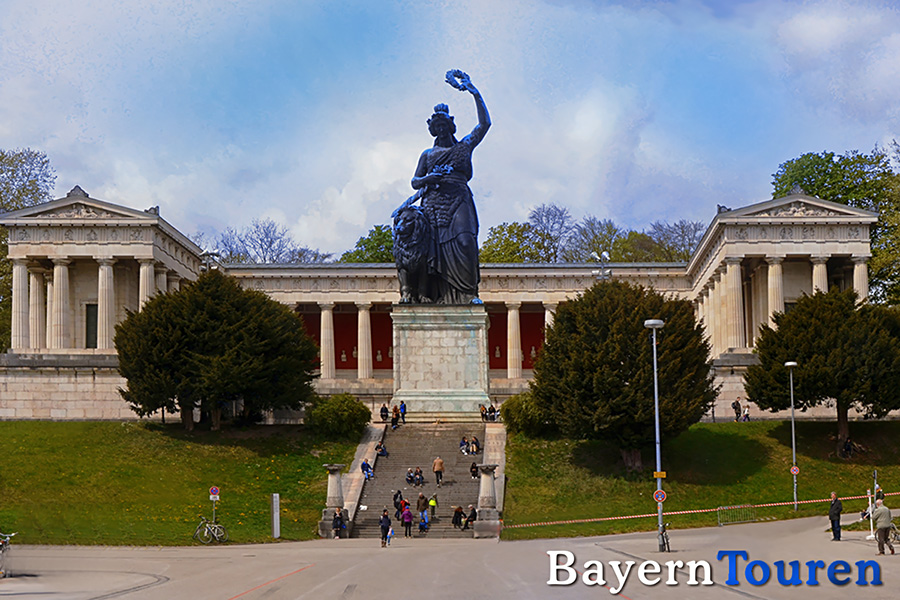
<point>79,211</point>
<point>799,209</point>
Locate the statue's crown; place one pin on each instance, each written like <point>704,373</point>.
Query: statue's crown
<point>442,108</point>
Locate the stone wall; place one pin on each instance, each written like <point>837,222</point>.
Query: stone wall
<point>63,388</point>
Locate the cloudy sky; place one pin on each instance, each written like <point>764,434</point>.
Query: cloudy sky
<point>313,113</point>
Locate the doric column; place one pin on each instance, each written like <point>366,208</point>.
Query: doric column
<point>819,273</point>
<point>162,279</point>
<point>364,340</point>
<point>513,341</point>
<point>715,312</point>
<point>146,281</point>
<point>861,276</point>
<point>60,336</point>
<point>37,312</point>
<point>549,313</point>
<point>19,304</point>
<point>326,328</point>
<point>106,303</point>
<point>174,282</point>
<point>734,302</point>
<point>49,319</point>
<point>775,285</point>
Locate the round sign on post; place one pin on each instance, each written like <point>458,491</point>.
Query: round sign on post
<point>659,496</point>
<point>213,491</point>
<point>795,470</point>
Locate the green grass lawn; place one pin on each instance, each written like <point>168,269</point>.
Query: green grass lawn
<point>144,483</point>
<point>711,465</point>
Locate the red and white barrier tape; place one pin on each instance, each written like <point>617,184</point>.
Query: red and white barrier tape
<point>685,512</point>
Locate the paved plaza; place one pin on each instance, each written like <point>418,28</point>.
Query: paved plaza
<point>437,569</point>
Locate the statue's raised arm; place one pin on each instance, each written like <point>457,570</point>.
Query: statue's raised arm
<point>463,83</point>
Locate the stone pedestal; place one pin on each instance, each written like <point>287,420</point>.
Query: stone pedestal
<point>440,357</point>
<point>334,499</point>
<point>488,524</point>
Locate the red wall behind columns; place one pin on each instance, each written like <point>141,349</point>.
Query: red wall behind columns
<point>382,339</point>
<point>344,339</point>
<point>531,326</point>
<point>497,337</point>
<point>312,323</point>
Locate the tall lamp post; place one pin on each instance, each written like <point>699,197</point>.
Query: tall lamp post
<point>654,324</point>
<point>790,365</point>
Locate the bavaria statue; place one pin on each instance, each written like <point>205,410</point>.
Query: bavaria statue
<point>436,229</point>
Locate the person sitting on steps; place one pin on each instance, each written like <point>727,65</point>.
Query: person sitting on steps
<point>458,515</point>
<point>474,470</point>
<point>418,477</point>
<point>367,469</point>
<point>464,445</point>
<point>410,477</point>
<point>475,445</point>
<point>385,413</point>
<point>380,450</point>
<point>473,516</point>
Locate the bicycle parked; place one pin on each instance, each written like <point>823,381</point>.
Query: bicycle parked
<point>4,554</point>
<point>665,536</point>
<point>208,531</point>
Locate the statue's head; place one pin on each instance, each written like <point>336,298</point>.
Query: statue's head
<point>441,119</point>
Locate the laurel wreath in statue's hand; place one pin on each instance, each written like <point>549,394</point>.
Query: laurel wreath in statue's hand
<point>459,80</point>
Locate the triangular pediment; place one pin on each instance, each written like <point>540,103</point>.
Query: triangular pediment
<point>795,206</point>
<point>77,206</point>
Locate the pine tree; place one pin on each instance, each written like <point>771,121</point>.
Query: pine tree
<point>594,375</point>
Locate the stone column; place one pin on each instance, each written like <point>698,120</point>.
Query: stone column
<point>174,282</point>
<point>37,312</point>
<point>49,319</point>
<point>819,273</point>
<point>326,360</point>
<point>861,276</point>
<point>162,279</point>
<point>106,303</point>
<point>734,290</point>
<point>334,498</point>
<point>364,340</point>
<point>715,313</point>
<point>488,523</point>
<point>20,304</point>
<point>775,285</point>
<point>60,337</point>
<point>549,313</point>
<point>146,281</point>
<point>513,341</point>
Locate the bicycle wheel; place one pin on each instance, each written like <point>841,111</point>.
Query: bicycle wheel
<point>219,533</point>
<point>203,533</point>
<point>895,535</point>
<point>666,539</point>
<point>4,566</point>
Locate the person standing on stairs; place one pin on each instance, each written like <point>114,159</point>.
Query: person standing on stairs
<point>385,523</point>
<point>438,467</point>
<point>403,411</point>
<point>422,507</point>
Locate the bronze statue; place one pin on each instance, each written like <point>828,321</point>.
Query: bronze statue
<point>449,242</point>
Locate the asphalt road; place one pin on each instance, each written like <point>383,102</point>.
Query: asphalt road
<point>457,569</point>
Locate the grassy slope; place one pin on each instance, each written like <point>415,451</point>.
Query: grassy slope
<point>711,465</point>
<point>138,483</point>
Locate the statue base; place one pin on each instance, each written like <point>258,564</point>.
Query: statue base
<point>440,357</point>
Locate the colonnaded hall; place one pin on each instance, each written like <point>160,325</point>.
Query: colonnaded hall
<point>80,263</point>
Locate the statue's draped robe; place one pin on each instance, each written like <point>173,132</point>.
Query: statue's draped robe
<point>451,211</point>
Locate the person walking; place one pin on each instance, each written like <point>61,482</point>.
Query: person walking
<point>385,523</point>
<point>433,504</point>
<point>438,467</point>
<point>834,514</point>
<point>881,516</point>
<point>398,498</point>
<point>736,407</point>
<point>406,517</point>
<point>422,507</point>
<point>403,411</point>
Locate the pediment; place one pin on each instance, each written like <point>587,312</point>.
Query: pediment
<point>77,206</point>
<point>797,206</point>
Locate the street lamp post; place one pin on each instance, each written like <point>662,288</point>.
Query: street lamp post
<point>790,365</point>
<point>654,324</point>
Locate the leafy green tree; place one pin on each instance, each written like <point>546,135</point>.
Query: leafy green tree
<point>510,243</point>
<point>637,246</point>
<point>215,343</point>
<point>594,375</point>
<point>846,353</point>
<point>339,416</point>
<point>376,247</point>
<point>860,180</point>
<point>26,179</point>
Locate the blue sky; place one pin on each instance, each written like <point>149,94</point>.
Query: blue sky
<point>313,113</point>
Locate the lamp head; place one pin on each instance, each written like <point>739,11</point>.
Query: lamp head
<point>790,364</point>
<point>654,323</point>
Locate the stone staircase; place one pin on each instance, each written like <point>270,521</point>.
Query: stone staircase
<point>416,445</point>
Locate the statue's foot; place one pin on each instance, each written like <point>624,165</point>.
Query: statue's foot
<point>476,300</point>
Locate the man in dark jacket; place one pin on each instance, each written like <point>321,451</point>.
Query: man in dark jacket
<point>473,516</point>
<point>834,513</point>
<point>385,523</point>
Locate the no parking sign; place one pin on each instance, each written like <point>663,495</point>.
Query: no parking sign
<point>659,496</point>
<point>214,494</point>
